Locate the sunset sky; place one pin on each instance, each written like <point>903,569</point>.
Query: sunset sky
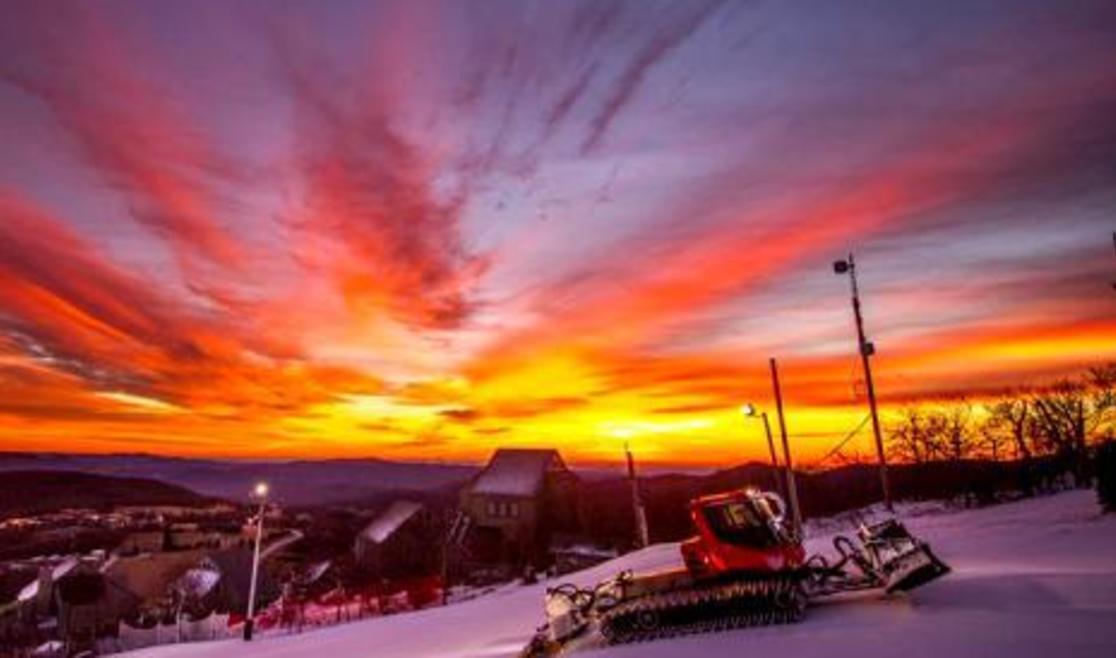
<point>422,230</point>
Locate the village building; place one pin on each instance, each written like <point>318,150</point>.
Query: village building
<point>222,581</point>
<point>400,542</point>
<point>517,503</point>
<point>151,578</point>
<point>194,535</point>
<point>142,541</point>
<point>88,605</point>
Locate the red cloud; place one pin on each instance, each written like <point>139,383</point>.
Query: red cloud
<point>371,219</point>
<point>128,129</point>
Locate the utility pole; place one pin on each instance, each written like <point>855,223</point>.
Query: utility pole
<point>642,538</point>
<point>792,486</point>
<point>867,349</point>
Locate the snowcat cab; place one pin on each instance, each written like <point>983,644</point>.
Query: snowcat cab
<point>741,531</point>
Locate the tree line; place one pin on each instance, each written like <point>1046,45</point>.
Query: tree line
<point>1059,422</point>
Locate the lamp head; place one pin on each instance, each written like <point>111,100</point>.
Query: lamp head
<point>840,266</point>
<point>748,409</point>
<point>261,490</point>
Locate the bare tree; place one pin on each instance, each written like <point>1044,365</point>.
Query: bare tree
<point>956,427</point>
<point>1073,412</point>
<point>1101,381</point>
<point>905,436</point>
<point>991,443</point>
<point>917,436</point>
<point>1011,420</point>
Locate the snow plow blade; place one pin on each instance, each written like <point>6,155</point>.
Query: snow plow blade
<point>902,561</point>
<point>915,570</point>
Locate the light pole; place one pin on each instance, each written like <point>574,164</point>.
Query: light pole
<point>866,349</point>
<point>749,411</point>
<point>260,493</point>
<point>792,486</point>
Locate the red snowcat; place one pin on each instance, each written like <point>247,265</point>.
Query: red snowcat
<point>745,567</point>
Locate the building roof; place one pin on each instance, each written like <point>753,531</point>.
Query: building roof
<point>198,582</point>
<point>13,582</point>
<point>235,567</point>
<point>516,472</point>
<point>390,520</point>
<point>316,571</point>
<point>31,590</point>
<point>150,576</point>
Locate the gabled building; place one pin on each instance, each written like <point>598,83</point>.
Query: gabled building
<point>88,605</point>
<point>401,541</point>
<point>517,502</point>
<point>227,587</point>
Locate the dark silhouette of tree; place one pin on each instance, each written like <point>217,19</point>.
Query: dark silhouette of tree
<point>958,438</point>
<point>911,438</point>
<point>1011,419</point>
<point>925,434</point>
<point>1072,412</point>
<point>1106,475</point>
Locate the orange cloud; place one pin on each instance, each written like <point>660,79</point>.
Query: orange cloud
<point>381,282</point>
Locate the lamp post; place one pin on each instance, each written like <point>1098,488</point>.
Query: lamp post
<point>749,411</point>
<point>866,349</point>
<point>260,493</point>
<point>792,486</point>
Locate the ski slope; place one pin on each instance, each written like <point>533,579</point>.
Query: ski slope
<point>1033,578</point>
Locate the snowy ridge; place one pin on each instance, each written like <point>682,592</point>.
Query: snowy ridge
<point>1032,578</point>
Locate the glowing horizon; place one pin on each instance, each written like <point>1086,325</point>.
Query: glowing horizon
<point>425,231</point>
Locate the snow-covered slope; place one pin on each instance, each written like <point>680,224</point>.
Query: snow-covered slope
<point>1035,578</point>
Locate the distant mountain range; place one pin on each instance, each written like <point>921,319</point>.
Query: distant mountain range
<point>291,482</point>
<point>31,492</point>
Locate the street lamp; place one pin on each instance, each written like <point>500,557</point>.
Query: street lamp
<point>792,487</point>
<point>260,494</point>
<point>866,349</point>
<point>749,411</point>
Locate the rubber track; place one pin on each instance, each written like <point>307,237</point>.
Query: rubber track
<point>737,604</point>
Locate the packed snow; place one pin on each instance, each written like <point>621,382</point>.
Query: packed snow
<point>1032,578</point>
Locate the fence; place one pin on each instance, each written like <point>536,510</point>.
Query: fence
<point>284,616</point>
<point>213,627</point>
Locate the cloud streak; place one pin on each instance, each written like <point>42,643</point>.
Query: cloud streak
<point>421,231</point>
<point>128,130</point>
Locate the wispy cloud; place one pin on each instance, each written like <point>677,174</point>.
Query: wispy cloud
<point>371,218</point>
<point>425,230</point>
<point>662,42</point>
<point>128,129</point>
